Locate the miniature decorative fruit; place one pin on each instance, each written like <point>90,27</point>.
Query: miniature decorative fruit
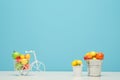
<point>76,63</point>
<point>79,62</point>
<point>18,66</point>
<point>24,61</point>
<point>18,59</point>
<point>87,57</point>
<point>21,61</point>
<point>26,66</point>
<point>27,56</point>
<point>15,54</point>
<point>22,56</point>
<point>100,56</point>
<point>93,53</point>
<point>94,56</point>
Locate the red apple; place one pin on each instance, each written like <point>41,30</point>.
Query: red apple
<point>18,59</point>
<point>87,57</point>
<point>99,56</point>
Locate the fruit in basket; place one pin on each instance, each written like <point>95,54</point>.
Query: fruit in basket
<point>18,59</point>
<point>18,66</point>
<point>22,56</point>
<point>24,61</point>
<point>27,66</point>
<point>27,56</point>
<point>100,56</point>
<point>76,63</point>
<point>15,54</point>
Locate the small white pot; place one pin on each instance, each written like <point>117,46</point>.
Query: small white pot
<point>77,70</point>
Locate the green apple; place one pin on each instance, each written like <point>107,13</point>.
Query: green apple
<point>15,54</point>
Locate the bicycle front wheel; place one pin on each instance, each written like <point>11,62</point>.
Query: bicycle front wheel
<point>37,66</point>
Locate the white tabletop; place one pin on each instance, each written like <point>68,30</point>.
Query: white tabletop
<point>11,75</point>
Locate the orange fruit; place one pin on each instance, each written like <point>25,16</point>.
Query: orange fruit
<point>22,56</point>
<point>99,56</point>
<point>27,56</point>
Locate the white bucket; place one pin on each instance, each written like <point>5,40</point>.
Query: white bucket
<point>94,67</point>
<point>77,70</point>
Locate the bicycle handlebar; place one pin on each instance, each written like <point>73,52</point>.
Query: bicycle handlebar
<point>30,51</point>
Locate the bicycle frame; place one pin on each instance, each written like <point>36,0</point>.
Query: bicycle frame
<point>36,62</point>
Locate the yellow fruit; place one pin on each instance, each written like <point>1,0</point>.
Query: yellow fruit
<point>24,61</point>
<point>87,54</point>
<point>79,62</point>
<point>94,58</point>
<point>22,56</point>
<point>93,53</point>
<point>27,56</point>
<point>74,63</point>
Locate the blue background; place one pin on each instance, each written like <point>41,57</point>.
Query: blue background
<point>60,31</point>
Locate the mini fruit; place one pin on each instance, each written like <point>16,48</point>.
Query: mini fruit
<point>74,63</point>
<point>26,67</point>
<point>93,53</point>
<point>15,54</point>
<point>94,58</point>
<point>27,56</point>
<point>87,54</point>
<point>22,56</point>
<point>18,59</point>
<point>18,66</point>
<point>79,62</point>
<point>100,56</point>
<point>87,57</point>
<point>24,61</point>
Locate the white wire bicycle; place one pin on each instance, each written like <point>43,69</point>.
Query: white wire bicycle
<point>36,65</point>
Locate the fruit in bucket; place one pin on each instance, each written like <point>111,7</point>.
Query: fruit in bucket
<point>94,56</point>
<point>93,53</point>
<point>87,57</point>
<point>79,62</point>
<point>100,56</point>
<point>76,63</point>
